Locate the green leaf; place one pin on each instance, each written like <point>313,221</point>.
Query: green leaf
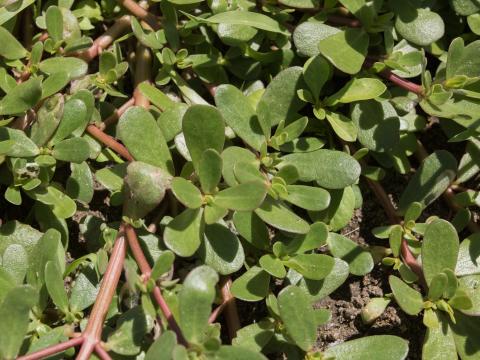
<point>237,353</point>
<point>419,26</point>
<point>195,301</point>
<point>8,12</point>
<point>11,49</point>
<point>144,189</point>
<point>378,125</point>
<point>16,233</point>
<point>330,168</point>
<point>430,181</point>
<point>23,97</point>
<point>255,336</point>
<point>80,183</point>
<point>439,248</point>
<point>48,119</point>
<point>74,117</point>
<point>14,311</point>
<point>170,121</point>
<point>203,128</point>
<point>343,126</point>
<point>60,203</point>
<point>85,289</point>
<point>357,89</point>
<point>308,34</point>
<point>54,22</point>
<point>378,347</point>
<point>183,234</point>
<point>162,348</point>
<point>468,262</point>
<point>131,328</point>
<point>308,197</point>
<point>316,72</point>
<point>280,101</point>
<point>272,265</point>
<point>408,299</point>
<point>240,115</point>
<point>75,150</point>
<point>240,17</point>
<point>231,156</point>
<point>346,50</point>
<point>187,193</point>
<point>163,264</point>
<point>74,67</point>
<point>470,285</point>
<point>374,309</point>
<point>22,146</point>
<point>311,266</point>
<point>439,342</point>
<point>279,216</point>
<point>252,285</point>
<point>313,240</point>
<point>252,229</point>
<point>210,170</point>
<point>298,316</point>
<point>156,96</point>
<point>55,286</point>
<point>318,289</point>
<point>465,333</point>
<point>359,260</point>
<point>143,138</point>
<point>243,197</point>
<point>214,213</point>
<point>437,286</point>
<point>221,249</point>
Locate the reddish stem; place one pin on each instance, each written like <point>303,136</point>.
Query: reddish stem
<point>382,196</point>
<point>109,141</point>
<point>397,80</point>
<point>105,40</point>
<point>137,252</point>
<point>52,350</point>
<point>140,13</point>
<point>146,271</point>
<point>112,119</point>
<point>230,307</point>
<point>343,21</point>
<point>101,352</point>
<point>93,331</point>
<point>142,73</point>
<point>448,195</point>
<point>405,84</point>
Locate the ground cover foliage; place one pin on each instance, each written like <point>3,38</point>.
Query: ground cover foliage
<point>177,176</point>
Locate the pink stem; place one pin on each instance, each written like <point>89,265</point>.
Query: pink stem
<point>51,350</point>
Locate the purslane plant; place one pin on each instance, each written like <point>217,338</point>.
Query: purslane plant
<point>161,161</point>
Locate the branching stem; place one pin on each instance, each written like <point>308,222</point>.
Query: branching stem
<point>146,271</point>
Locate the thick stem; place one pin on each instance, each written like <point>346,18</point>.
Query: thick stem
<point>448,195</point>
<point>112,119</point>
<point>52,350</point>
<point>231,312</point>
<point>101,353</point>
<point>103,41</point>
<point>397,80</point>
<point>385,202</point>
<point>343,21</point>
<point>93,331</point>
<point>109,141</point>
<point>140,13</point>
<point>137,252</point>
<point>146,271</point>
<point>142,73</point>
